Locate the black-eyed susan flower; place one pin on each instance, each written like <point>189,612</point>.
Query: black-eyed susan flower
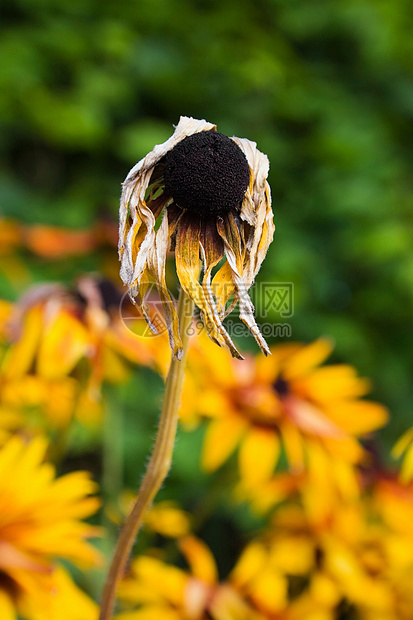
<point>40,523</point>
<point>60,345</point>
<point>205,195</point>
<point>284,401</point>
<point>358,563</point>
<point>161,590</point>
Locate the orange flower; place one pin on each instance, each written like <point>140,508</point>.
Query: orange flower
<point>285,401</point>
<point>41,521</point>
<point>212,198</point>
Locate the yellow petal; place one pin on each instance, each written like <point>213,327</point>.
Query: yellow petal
<point>169,582</point>
<point>402,443</point>
<point>269,590</point>
<point>154,612</point>
<point>311,419</point>
<point>64,343</point>
<point>332,383</point>
<point>200,559</point>
<point>7,609</point>
<point>167,519</point>
<point>293,444</point>
<point>69,602</point>
<point>357,417</point>
<point>19,358</point>
<point>406,470</point>
<point>258,455</point>
<point>251,563</point>
<point>306,358</point>
<point>221,439</point>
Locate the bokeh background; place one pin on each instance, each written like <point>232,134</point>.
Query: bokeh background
<point>325,89</point>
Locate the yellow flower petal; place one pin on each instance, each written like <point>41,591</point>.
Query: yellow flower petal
<point>269,591</point>
<point>19,358</point>
<point>169,582</point>
<point>258,455</point>
<point>357,417</point>
<point>200,559</point>
<point>65,341</point>
<point>221,438</point>
<point>252,561</point>
<point>7,609</point>
<point>403,443</point>
<point>306,358</point>
<point>331,383</point>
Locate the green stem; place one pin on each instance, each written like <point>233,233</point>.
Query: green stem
<point>159,463</point>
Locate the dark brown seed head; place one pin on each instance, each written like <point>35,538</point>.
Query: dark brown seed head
<point>207,173</point>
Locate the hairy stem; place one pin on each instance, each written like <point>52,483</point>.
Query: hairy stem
<point>158,467</point>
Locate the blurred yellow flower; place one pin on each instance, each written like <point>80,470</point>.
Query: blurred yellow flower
<point>164,591</point>
<point>361,558</point>
<point>51,331</point>
<point>287,400</point>
<point>40,522</point>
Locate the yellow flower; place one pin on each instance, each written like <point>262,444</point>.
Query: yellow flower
<point>361,557</point>
<point>164,591</point>
<point>215,201</point>
<point>40,521</point>
<point>287,400</point>
<point>50,331</point>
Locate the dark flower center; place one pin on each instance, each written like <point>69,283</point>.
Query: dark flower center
<point>281,386</point>
<point>207,173</point>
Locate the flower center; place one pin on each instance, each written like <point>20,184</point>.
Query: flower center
<point>207,173</point>
<point>281,386</point>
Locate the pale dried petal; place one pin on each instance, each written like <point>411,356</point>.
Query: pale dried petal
<point>186,127</point>
<point>156,263</point>
<point>228,230</point>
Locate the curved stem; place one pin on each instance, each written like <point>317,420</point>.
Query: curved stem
<point>159,463</point>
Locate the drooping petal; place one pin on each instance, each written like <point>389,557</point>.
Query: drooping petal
<point>187,267</point>
<point>228,230</point>
<point>157,260</point>
<point>256,210</point>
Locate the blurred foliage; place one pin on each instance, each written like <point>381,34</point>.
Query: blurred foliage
<point>324,87</point>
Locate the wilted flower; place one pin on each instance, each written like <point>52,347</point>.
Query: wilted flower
<point>214,201</point>
<point>40,523</point>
